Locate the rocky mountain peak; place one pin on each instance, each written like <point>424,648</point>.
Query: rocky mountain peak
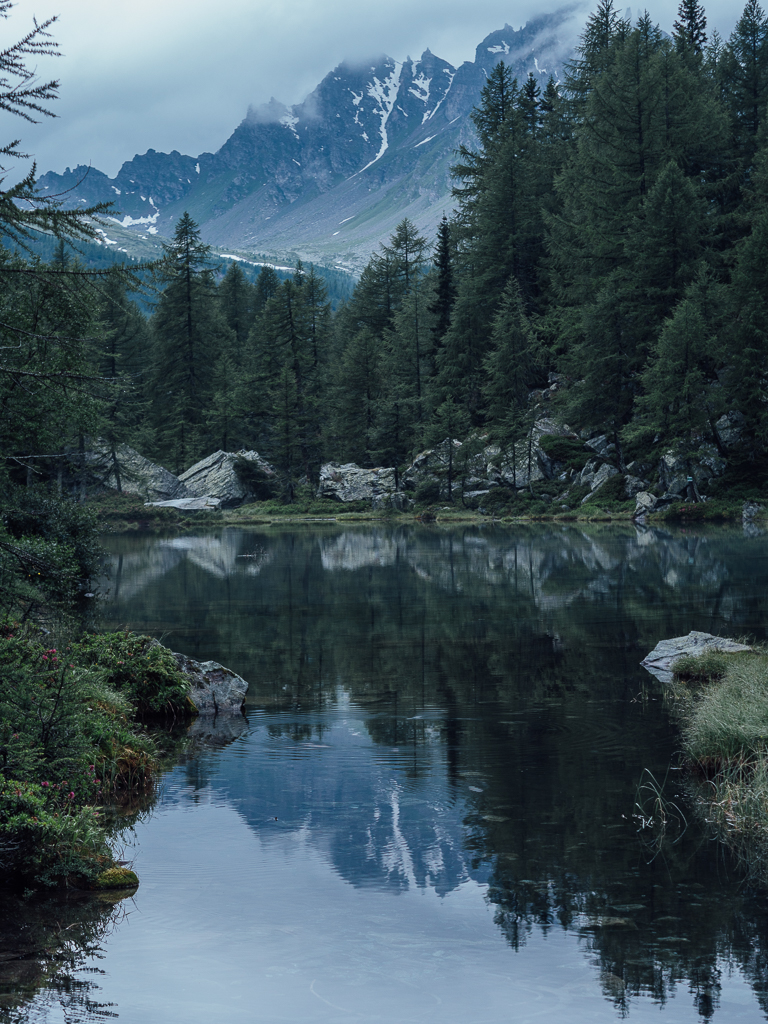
<point>330,177</point>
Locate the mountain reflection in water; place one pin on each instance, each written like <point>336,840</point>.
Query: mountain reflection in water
<point>435,710</point>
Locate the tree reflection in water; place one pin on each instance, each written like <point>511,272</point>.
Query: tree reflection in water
<point>497,671</point>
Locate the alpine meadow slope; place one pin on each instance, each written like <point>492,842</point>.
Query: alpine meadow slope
<point>329,178</point>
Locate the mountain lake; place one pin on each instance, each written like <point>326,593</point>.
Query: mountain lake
<point>442,801</point>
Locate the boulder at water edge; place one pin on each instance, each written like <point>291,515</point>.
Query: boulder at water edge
<point>661,661</point>
<point>215,690</point>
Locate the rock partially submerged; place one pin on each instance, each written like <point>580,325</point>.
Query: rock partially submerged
<point>661,661</point>
<point>215,690</point>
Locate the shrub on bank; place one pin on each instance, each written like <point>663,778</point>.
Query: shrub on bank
<point>140,669</point>
<point>712,511</point>
<point>70,742</point>
<point>49,552</point>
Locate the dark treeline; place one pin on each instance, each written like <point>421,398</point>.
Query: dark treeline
<point>612,228</point>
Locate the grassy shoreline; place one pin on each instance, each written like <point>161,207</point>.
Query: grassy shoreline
<point>721,703</point>
<point>127,513</point>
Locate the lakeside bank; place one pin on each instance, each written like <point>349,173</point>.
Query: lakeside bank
<point>118,513</point>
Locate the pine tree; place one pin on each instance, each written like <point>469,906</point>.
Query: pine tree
<point>125,360</point>
<point>407,252</point>
<point>190,334</point>
<point>746,335</point>
<point>675,406</point>
<point>445,289</point>
<point>238,303</point>
<point>512,370</point>
<point>594,53</point>
<point>267,284</point>
<point>315,295</point>
<point>511,365</point>
<point>286,453</point>
<point>355,399</point>
<point>450,422</point>
<point>689,31</point>
<point>746,77</point>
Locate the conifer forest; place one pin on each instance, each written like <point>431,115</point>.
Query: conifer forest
<point>610,229</point>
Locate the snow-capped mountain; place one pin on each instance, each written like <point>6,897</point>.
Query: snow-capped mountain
<point>329,178</point>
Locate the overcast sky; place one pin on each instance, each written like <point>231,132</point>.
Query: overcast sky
<point>180,74</point>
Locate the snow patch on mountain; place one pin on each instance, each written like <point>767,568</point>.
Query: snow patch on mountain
<point>385,94</point>
<point>290,121</point>
<point>420,87</point>
<point>504,48</point>
<point>431,113</point>
<point>128,221</point>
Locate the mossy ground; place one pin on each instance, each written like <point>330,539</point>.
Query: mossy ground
<point>117,878</point>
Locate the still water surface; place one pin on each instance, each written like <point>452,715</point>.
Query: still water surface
<point>430,811</point>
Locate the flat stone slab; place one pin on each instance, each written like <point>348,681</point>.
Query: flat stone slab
<point>660,662</point>
<point>188,504</point>
<point>215,689</point>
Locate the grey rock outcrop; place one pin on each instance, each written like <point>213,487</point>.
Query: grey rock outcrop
<point>661,661</point>
<point>397,500</point>
<point>730,428</point>
<point>474,470</point>
<point>633,485</point>
<point>702,465</point>
<point>228,477</point>
<point>604,473</point>
<point>134,474</point>
<point>350,482</point>
<point>432,467</point>
<point>644,502</point>
<point>749,512</point>
<point>215,689</point>
<point>601,445</point>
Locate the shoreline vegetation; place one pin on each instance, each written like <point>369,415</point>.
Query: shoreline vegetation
<point>118,513</point>
<point>720,701</point>
<point>86,729</point>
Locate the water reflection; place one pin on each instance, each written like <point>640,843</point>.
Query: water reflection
<point>45,943</point>
<point>435,710</point>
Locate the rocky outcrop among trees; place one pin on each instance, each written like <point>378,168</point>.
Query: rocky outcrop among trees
<point>122,468</point>
<point>230,478</point>
<point>350,482</point>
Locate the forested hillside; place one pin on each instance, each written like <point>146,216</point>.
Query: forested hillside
<point>612,231</point>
